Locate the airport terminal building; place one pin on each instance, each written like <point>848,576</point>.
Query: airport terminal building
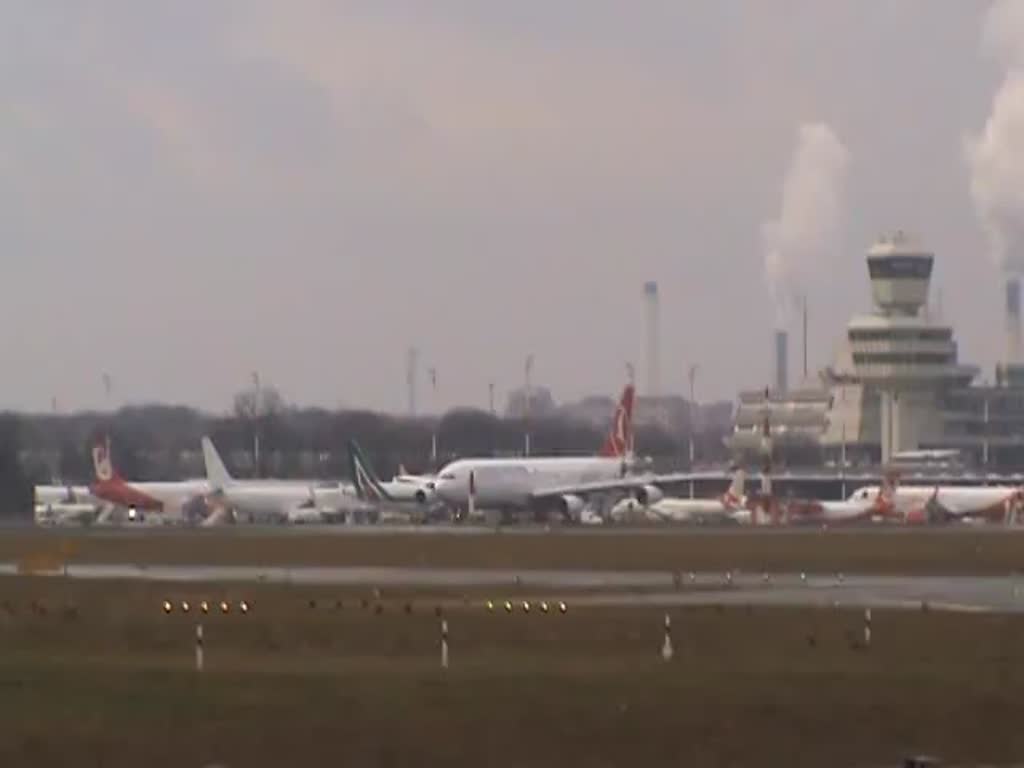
<point>897,384</point>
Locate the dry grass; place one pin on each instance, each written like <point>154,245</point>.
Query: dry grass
<point>96,674</point>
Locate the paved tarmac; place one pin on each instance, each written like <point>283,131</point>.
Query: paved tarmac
<point>953,593</point>
<point>457,529</point>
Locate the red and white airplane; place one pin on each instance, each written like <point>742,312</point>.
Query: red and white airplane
<point>162,501</point>
<point>731,506</point>
<point>953,503</point>
<point>869,504</point>
<point>556,483</point>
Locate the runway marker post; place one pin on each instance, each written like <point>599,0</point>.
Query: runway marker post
<point>444,644</point>
<point>666,647</point>
<point>867,627</point>
<point>199,648</point>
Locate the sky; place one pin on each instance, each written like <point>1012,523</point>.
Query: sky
<point>194,190</point>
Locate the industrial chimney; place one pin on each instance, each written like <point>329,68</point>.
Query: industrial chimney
<point>653,332</point>
<point>781,362</point>
<point>1013,341</point>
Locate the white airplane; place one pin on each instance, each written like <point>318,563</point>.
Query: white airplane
<point>869,504</point>
<point>954,503</point>
<point>167,502</point>
<point>275,501</point>
<point>66,513</point>
<point>729,507</point>
<point>61,494</point>
<point>408,495</point>
<point>550,483</point>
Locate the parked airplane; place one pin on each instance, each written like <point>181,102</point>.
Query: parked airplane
<point>953,503</point>
<point>867,504</point>
<point>169,500</point>
<point>66,513</point>
<point>729,507</point>
<point>62,494</point>
<point>549,483</point>
<point>275,501</point>
<point>406,494</point>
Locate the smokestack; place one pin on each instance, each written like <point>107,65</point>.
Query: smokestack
<point>781,362</point>
<point>653,339</point>
<point>1013,341</point>
<point>805,337</point>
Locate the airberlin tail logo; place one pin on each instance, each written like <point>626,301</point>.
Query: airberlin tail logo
<point>101,461</point>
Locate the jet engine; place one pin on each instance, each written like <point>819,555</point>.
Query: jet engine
<point>648,494</point>
<point>571,506</point>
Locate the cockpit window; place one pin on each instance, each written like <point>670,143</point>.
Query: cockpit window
<point>448,476</point>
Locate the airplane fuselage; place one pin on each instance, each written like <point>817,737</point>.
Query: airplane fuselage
<point>511,483</point>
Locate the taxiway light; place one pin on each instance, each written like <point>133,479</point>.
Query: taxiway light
<point>526,606</point>
<point>204,607</point>
<point>562,608</point>
<point>224,606</point>
<point>543,607</point>
<point>167,606</point>
<point>490,606</point>
<point>508,606</point>
<point>185,607</point>
<point>243,606</point>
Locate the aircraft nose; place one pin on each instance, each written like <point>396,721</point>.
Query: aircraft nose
<point>443,489</point>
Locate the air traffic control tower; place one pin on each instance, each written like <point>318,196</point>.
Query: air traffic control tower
<point>888,387</point>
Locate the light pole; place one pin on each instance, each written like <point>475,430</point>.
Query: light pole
<point>692,377</point>
<point>527,371</point>
<point>256,405</point>
<point>490,396</point>
<point>433,406</point>
<point>108,388</point>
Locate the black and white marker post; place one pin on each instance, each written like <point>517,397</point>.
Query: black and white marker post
<point>666,647</point>
<point>444,644</point>
<point>199,647</point>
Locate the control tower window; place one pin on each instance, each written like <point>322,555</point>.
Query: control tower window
<point>897,358</point>
<point>900,334</point>
<point>900,267</point>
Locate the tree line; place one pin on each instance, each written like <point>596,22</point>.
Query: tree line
<point>160,442</point>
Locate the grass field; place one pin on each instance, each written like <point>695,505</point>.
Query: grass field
<point>97,675</point>
<point>866,551</point>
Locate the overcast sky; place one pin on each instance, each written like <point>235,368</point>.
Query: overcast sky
<point>191,190</point>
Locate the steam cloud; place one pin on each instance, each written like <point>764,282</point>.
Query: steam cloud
<point>996,156</point>
<point>811,216</point>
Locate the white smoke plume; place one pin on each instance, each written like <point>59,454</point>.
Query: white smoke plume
<point>995,156</point>
<point>811,217</point>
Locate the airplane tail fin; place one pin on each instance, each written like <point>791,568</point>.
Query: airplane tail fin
<point>619,442</point>
<point>737,488</point>
<point>368,486</point>
<point>216,473</point>
<point>102,463</point>
<point>886,501</point>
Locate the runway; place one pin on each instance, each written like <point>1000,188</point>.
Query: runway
<point>592,587</point>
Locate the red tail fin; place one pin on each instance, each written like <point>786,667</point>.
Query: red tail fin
<point>102,463</point>
<point>619,442</point>
<point>885,503</point>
